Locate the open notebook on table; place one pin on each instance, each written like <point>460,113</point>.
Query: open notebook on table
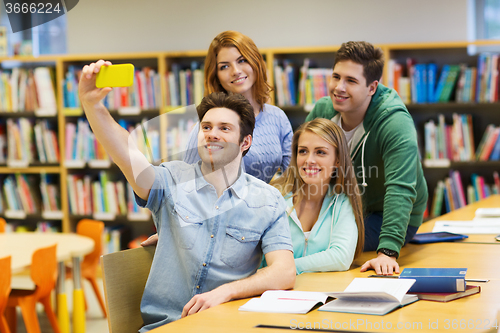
<point>285,301</point>
<point>372,296</point>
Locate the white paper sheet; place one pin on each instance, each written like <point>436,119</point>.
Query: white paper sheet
<point>476,226</point>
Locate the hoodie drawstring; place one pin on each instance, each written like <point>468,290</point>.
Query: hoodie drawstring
<point>363,160</point>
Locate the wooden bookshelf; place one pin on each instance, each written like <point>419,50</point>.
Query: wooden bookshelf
<point>443,52</point>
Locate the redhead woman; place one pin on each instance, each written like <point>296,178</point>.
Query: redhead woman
<point>235,65</point>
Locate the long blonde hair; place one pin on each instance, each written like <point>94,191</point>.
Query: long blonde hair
<point>343,180</point>
<point>248,49</point>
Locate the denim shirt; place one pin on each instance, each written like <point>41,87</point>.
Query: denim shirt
<point>205,241</point>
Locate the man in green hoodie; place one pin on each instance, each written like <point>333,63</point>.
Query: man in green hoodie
<point>383,144</point>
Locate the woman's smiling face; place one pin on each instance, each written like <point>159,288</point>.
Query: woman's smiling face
<point>234,72</point>
<point>316,159</point>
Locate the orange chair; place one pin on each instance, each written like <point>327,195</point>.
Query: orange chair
<point>90,263</point>
<point>4,292</point>
<point>2,224</point>
<point>44,274</point>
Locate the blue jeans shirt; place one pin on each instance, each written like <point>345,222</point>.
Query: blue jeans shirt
<point>206,241</point>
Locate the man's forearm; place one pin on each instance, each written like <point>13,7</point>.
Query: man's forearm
<point>279,275</point>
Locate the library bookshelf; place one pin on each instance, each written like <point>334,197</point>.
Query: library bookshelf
<point>167,75</point>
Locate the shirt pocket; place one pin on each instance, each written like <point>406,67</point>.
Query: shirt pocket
<point>187,227</point>
<point>240,246</point>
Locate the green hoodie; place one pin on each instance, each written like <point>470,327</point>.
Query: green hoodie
<point>390,166</point>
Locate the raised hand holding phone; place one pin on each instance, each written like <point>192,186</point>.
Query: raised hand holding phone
<point>89,94</point>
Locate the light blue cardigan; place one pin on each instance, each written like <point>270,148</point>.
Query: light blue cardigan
<point>332,242</point>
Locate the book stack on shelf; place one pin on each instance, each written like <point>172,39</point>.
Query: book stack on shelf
<point>28,90</point>
<point>20,148</point>
<point>454,195</point>
<point>21,136</point>
<point>184,86</point>
<point>46,142</point>
<point>489,147</point>
<point>82,147</point>
<point>487,84</point>
<point>51,199</point>
<point>285,81</point>
<point>22,198</point>
<point>101,198</point>
<point>445,142</point>
<point>302,87</point>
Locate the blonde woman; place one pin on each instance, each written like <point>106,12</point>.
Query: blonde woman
<point>323,199</point>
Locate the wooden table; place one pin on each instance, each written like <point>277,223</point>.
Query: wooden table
<point>21,245</point>
<point>465,214</point>
<point>474,313</point>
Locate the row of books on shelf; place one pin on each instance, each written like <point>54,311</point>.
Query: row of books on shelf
<point>300,87</point>
<point>82,146</point>
<point>454,195</point>
<point>423,82</point>
<point>21,196</point>
<point>184,86</point>
<point>455,142</point>
<point>28,90</point>
<point>102,198</point>
<point>24,141</point>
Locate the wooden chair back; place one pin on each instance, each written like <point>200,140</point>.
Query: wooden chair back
<point>124,275</point>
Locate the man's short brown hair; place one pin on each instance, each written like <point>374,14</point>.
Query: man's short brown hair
<point>365,54</point>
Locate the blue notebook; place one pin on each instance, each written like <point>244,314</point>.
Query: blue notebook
<point>436,237</point>
<point>435,280</point>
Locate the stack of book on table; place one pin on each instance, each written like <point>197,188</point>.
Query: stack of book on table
<point>439,284</point>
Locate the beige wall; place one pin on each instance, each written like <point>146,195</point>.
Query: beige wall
<point>99,26</point>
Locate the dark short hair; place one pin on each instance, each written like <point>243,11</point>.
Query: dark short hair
<point>235,102</point>
<point>365,54</point>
